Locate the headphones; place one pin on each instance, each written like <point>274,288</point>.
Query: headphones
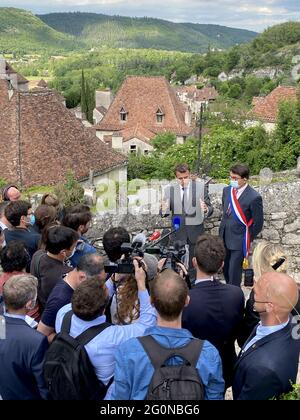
<point>5,190</point>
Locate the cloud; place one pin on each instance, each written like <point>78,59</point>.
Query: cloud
<point>249,14</point>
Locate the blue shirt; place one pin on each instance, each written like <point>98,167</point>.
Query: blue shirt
<point>83,247</point>
<point>101,350</point>
<point>60,295</point>
<point>263,331</point>
<point>134,370</point>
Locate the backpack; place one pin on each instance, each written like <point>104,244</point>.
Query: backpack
<point>68,372</point>
<point>174,382</point>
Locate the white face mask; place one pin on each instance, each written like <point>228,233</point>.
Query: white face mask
<point>234,184</point>
<point>72,253</point>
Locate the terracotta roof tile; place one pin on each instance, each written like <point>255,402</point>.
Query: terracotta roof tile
<point>49,138</point>
<point>267,108</point>
<point>141,97</point>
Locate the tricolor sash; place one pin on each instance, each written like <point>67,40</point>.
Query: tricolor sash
<point>240,216</point>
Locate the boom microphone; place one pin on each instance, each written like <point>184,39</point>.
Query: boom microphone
<point>139,240</point>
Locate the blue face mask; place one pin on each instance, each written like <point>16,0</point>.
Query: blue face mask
<point>234,184</point>
<point>32,219</point>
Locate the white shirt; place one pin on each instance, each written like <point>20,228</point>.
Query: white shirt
<point>239,191</point>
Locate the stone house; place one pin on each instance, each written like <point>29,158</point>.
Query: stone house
<point>143,108</point>
<point>265,108</point>
<point>41,140</point>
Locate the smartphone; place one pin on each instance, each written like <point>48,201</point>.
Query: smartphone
<point>248,277</point>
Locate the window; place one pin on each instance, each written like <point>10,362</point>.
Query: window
<point>146,152</point>
<point>159,116</point>
<point>123,114</point>
<point>133,148</point>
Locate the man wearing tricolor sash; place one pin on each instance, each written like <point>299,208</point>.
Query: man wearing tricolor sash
<point>242,220</point>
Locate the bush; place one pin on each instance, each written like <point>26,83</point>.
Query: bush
<point>71,192</point>
<point>292,395</point>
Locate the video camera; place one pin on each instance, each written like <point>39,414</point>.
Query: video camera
<point>125,265</point>
<point>174,255</point>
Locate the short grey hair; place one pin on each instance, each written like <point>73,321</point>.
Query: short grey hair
<point>18,290</point>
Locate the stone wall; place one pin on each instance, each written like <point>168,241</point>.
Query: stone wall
<point>281,225</point>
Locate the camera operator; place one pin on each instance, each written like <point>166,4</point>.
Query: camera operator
<point>125,305</point>
<point>89,300</point>
<point>112,241</point>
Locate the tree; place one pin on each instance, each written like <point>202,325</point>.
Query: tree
<point>234,91</point>
<point>87,99</point>
<point>83,95</point>
<point>253,86</point>
<point>162,142</point>
<point>232,58</point>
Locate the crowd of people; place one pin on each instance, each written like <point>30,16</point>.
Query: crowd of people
<point>144,334</point>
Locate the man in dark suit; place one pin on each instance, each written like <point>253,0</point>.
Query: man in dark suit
<point>239,201</point>
<point>268,362</point>
<point>22,348</point>
<point>215,310</point>
<point>187,200</point>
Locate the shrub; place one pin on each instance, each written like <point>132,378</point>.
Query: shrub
<point>71,192</point>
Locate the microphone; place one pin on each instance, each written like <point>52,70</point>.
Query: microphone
<point>139,240</point>
<point>178,245</point>
<point>155,235</point>
<point>176,222</point>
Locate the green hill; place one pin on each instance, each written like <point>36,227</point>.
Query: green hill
<point>125,32</point>
<point>22,32</point>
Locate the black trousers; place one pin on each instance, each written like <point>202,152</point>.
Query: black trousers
<point>233,266</point>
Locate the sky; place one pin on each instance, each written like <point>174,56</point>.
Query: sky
<point>255,15</point>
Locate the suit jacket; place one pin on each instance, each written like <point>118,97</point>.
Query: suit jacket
<point>266,369</point>
<point>21,362</point>
<point>191,216</point>
<point>231,230</point>
<point>214,313</point>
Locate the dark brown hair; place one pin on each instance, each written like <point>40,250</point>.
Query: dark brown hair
<point>209,253</point>
<point>182,167</point>
<point>89,299</point>
<point>242,170</point>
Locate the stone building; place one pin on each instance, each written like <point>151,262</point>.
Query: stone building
<point>143,108</point>
<point>41,140</point>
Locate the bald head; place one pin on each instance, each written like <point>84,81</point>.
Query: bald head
<point>280,289</point>
<point>13,194</point>
<point>169,294</point>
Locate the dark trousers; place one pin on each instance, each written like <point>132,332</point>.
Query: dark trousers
<point>233,267</point>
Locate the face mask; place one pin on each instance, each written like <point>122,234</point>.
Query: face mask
<point>72,253</point>
<point>32,219</point>
<point>234,184</point>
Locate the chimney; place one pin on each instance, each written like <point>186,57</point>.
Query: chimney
<point>13,77</point>
<point>104,98</point>
<point>188,117</point>
<point>117,141</point>
<point>2,68</point>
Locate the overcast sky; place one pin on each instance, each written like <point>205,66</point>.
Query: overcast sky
<point>249,14</point>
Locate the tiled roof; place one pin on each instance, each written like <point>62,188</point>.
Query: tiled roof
<point>42,83</point>
<point>204,94</point>
<point>20,78</point>
<point>141,97</point>
<point>101,109</point>
<point>266,108</point>
<point>46,140</point>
